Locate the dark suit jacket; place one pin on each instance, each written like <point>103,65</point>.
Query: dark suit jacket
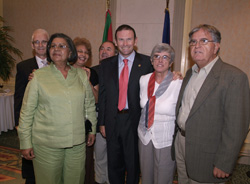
<point>218,122</point>
<point>109,91</point>
<point>24,69</point>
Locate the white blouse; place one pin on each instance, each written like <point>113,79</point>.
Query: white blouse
<point>162,130</point>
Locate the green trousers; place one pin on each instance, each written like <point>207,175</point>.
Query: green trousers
<point>59,165</point>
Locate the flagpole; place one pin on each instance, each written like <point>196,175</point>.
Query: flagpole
<point>167,3</point>
<point>107,5</point>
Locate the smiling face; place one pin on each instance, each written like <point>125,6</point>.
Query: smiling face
<point>203,54</point>
<point>107,49</point>
<point>39,44</point>
<point>59,51</point>
<point>160,62</point>
<point>125,42</point>
<point>83,56</point>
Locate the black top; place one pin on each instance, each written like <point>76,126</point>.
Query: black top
<point>93,77</point>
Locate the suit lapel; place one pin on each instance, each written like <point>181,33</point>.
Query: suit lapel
<point>183,87</point>
<point>207,87</point>
<point>134,70</point>
<point>114,72</point>
<point>33,64</point>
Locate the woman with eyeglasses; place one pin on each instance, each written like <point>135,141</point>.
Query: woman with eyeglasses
<point>158,97</point>
<point>52,122</point>
<point>84,52</point>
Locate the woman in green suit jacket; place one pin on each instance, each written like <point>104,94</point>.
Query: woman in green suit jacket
<point>56,103</point>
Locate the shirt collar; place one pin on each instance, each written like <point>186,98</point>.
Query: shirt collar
<point>39,61</point>
<point>130,58</point>
<point>206,68</point>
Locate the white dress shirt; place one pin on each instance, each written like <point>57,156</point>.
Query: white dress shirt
<point>41,62</point>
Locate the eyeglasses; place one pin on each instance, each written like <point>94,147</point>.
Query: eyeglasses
<point>164,57</point>
<point>59,46</point>
<point>37,42</point>
<point>203,41</point>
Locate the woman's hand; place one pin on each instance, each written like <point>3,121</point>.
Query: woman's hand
<point>177,75</point>
<point>28,154</point>
<point>87,71</point>
<point>91,139</point>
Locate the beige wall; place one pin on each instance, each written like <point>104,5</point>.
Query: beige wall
<point>84,18</point>
<point>146,17</point>
<point>232,18</point>
<point>1,7</point>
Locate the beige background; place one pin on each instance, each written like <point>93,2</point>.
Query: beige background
<point>232,18</point>
<point>86,18</point>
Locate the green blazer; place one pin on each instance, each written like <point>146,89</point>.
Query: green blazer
<point>54,109</point>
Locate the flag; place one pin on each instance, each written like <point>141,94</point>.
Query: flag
<point>166,28</point>
<point>107,34</point>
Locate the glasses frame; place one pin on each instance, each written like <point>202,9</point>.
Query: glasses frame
<point>158,57</point>
<point>59,46</point>
<point>202,41</point>
<point>37,42</point>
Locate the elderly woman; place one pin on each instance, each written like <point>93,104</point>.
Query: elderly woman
<point>56,103</point>
<point>158,97</point>
<point>84,52</point>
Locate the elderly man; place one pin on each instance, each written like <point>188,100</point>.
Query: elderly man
<point>39,41</point>
<point>212,112</point>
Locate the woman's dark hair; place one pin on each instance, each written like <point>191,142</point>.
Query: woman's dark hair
<point>72,48</point>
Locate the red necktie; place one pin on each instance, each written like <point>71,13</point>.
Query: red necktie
<point>151,105</point>
<point>123,86</point>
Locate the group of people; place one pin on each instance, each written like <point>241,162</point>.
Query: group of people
<point>149,119</point>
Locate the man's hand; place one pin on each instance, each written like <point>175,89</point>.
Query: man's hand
<point>91,139</point>
<point>28,154</point>
<point>219,173</point>
<point>177,75</point>
<point>31,75</point>
<point>102,131</point>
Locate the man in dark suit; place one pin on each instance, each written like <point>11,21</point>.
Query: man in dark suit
<point>39,41</point>
<point>120,125</point>
<point>106,50</point>
<point>212,112</point>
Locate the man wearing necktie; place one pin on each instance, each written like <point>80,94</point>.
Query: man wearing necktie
<point>119,106</point>
<point>39,41</point>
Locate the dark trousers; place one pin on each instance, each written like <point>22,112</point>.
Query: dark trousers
<point>89,165</point>
<point>28,171</point>
<point>123,155</point>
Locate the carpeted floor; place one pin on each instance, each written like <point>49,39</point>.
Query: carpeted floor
<point>10,163</point>
<point>10,159</point>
